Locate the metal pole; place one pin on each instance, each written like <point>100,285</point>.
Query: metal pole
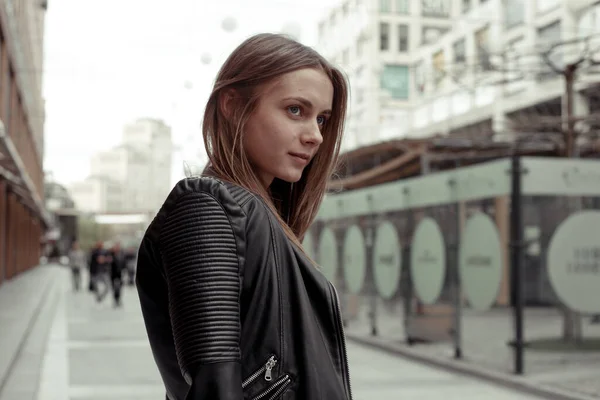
<point>569,74</point>
<point>408,293</point>
<point>370,275</point>
<point>516,237</point>
<point>456,289</point>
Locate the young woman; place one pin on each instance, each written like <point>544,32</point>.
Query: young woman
<point>234,308</point>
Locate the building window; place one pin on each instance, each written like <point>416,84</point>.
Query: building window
<point>460,56</point>
<point>466,5</point>
<point>514,76</point>
<point>435,8</point>
<point>385,6</point>
<point>403,38</point>
<point>438,67</point>
<point>402,7</point>
<point>546,5</point>
<point>430,34</point>
<point>482,49</point>
<point>419,76</point>
<point>345,8</point>
<point>459,48</point>
<point>514,12</point>
<point>384,36</point>
<point>394,80</point>
<point>547,36</point>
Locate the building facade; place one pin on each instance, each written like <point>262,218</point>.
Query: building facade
<point>420,68</point>
<point>23,218</point>
<point>133,177</point>
<point>97,194</point>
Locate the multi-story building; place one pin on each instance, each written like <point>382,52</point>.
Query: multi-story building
<point>151,139</point>
<point>97,194</point>
<point>23,219</point>
<point>373,41</point>
<point>138,172</point>
<point>468,67</point>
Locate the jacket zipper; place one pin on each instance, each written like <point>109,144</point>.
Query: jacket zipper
<point>279,386</point>
<point>343,340</point>
<point>267,369</point>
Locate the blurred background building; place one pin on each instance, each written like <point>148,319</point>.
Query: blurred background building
<point>469,68</point>
<point>133,177</point>
<point>23,218</point>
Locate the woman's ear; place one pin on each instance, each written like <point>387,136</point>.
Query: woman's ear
<point>227,99</point>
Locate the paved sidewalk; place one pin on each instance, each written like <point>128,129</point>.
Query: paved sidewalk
<point>66,346</point>
<point>486,353</point>
<point>28,304</point>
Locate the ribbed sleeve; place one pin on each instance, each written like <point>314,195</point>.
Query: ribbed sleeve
<point>202,268</point>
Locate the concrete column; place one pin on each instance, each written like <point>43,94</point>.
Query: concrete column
<point>10,235</point>
<point>3,226</point>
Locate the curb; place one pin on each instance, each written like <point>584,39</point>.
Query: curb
<point>503,380</point>
<point>35,314</point>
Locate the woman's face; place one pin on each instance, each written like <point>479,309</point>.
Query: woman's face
<point>284,132</point>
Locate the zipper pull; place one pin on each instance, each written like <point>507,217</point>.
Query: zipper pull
<point>269,367</point>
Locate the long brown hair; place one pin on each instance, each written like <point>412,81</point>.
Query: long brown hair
<point>254,63</point>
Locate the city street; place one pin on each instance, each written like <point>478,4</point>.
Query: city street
<point>96,352</point>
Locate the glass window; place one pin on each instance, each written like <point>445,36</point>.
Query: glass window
<point>403,38</point>
<point>459,48</point>
<point>460,57</point>
<point>419,77</point>
<point>384,36</point>
<point>435,8</point>
<point>394,79</point>
<point>385,6</point>
<point>514,12</point>
<point>547,36</point>
<point>438,67</point>
<point>546,5</point>
<point>482,48</point>
<point>430,34</point>
<point>466,5</point>
<point>402,7</point>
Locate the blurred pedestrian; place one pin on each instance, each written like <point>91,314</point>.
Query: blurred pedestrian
<point>117,265</point>
<point>77,262</point>
<point>99,278</point>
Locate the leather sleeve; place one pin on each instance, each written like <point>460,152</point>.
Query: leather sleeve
<point>201,243</point>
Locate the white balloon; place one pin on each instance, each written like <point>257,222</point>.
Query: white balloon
<point>206,58</point>
<point>229,24</point>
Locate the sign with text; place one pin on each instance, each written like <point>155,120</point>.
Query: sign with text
<point>428,261</point>
<point>480,261</point>
<point>574,261</point>
<point>355,263</point>
<point>387,260</point>
<point>328,254</point>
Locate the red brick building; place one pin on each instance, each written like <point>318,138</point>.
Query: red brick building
<point>23,219</point>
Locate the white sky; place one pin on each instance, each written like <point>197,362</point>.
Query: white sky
<point>109,62</point>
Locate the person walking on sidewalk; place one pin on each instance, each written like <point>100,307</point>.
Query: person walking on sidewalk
<point>234,307</point>
<point>77,262</point>
<point>117,265</point>
<point>99,278</point>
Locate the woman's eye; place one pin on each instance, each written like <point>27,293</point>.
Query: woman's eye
<point>294,110</point>
<point>321,120</point>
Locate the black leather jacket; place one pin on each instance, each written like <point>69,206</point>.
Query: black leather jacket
<point>232,308</point>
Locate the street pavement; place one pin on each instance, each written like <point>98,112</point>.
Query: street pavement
<point>97,352</point>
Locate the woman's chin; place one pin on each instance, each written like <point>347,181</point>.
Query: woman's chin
<point>291,177</point>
